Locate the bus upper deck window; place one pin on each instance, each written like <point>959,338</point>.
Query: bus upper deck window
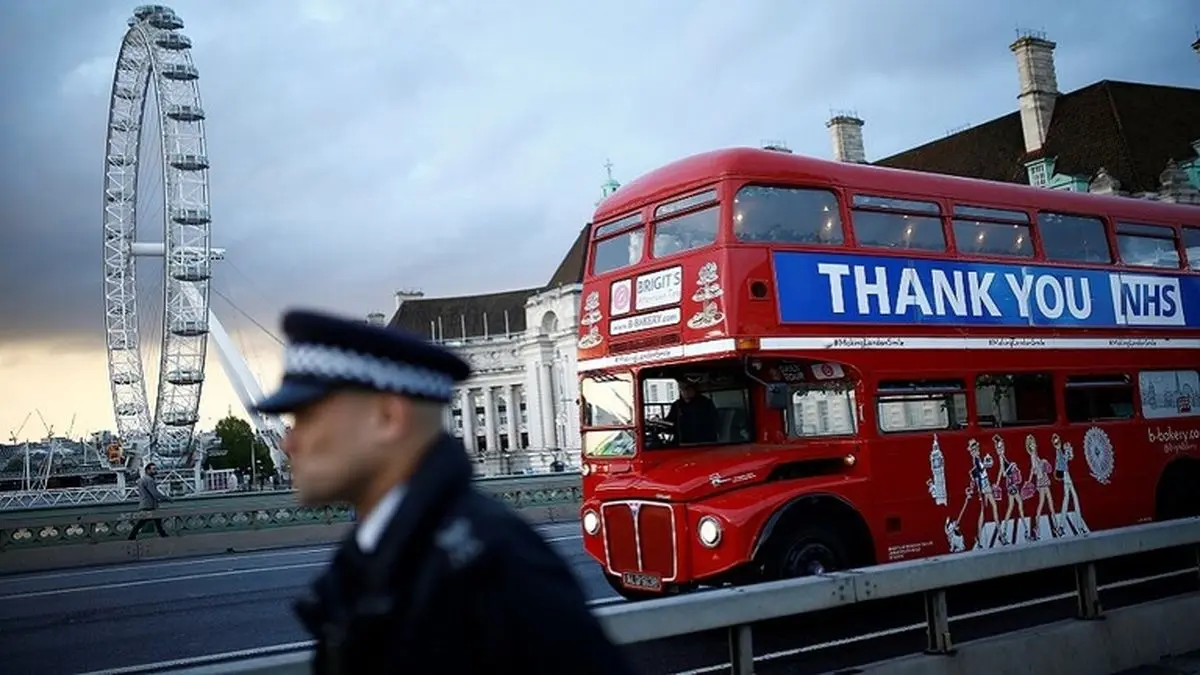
<point>787,215</point>
<point>686,232</point>
<point>1147,245</point>
<point>987,231</point>
<point>1191,246</point>
<point>620,251</point>
<point>1067,238</point>
<point>885,222</point>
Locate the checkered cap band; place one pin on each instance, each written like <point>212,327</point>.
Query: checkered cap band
<point>333,363</point>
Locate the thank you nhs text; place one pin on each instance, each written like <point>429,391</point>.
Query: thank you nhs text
<point>847,288</point>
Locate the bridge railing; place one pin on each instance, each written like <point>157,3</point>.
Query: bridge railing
<point>68,537</point>
<point>526,463</point>
<point>738,609</point>
<point>518,465</point>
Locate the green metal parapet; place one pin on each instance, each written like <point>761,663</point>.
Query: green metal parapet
<point>58,537</point>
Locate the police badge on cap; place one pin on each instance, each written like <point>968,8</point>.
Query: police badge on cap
<point>326,353</point>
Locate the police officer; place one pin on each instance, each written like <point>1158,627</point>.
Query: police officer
<point>435,577</point>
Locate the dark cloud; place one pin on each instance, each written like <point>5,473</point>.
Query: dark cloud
<point>362,146</point>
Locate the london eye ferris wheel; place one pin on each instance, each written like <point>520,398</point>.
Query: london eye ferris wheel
<point>156,146</point>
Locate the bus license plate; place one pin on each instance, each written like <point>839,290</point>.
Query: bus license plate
<point>641,581</point>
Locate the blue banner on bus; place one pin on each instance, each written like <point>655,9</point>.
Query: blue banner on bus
<point>848,288</point>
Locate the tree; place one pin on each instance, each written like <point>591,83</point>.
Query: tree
<point>238,441</point>
<point>16,464</point>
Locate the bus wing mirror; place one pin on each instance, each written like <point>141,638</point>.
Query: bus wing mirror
<point>778,397</point>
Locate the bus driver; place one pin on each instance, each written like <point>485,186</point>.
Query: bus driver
<point>692,416</point>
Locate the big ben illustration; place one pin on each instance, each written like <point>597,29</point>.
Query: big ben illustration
<point>937,469</point>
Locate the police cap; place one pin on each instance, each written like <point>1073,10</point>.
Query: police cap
<point>325,353</point>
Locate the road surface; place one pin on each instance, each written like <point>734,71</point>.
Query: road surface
<point>85,620</point>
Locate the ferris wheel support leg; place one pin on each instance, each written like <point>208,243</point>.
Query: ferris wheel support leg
<point>246,386</point>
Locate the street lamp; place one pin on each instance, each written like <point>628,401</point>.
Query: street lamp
<point>254,460</point>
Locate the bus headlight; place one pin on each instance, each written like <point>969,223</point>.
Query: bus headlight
<point>709,531</point>
<point>591,522</point>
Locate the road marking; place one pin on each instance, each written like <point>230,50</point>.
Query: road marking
<point>183,577</point>
<point>561,528</point>
<point>606,600</point>
<point>256,652</point>
<point>155,564</point>
<point>207,659</point>
<point>163,580</point>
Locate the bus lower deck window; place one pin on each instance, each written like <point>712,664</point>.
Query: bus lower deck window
<point>921,406</point>
<point>1014,399</point>
<point>1090,398</point>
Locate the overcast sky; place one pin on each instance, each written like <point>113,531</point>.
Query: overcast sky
<point>359,146</point>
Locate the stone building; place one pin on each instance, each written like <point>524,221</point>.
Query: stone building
<point>521,345</point>
<point>1127,138</point>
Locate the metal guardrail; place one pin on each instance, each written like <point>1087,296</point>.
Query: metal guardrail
<point>737,609</point>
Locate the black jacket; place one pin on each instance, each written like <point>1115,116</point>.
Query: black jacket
<point>458,584</point>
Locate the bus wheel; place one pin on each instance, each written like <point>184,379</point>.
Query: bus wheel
<point>805,551</point>
<point>1177,496</point>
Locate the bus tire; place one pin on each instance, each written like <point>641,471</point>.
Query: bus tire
<point>805,550</point>
<point>1177,496</point>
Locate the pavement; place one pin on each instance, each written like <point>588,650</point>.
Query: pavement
<point>90,619</point>
<point>1184,664</point>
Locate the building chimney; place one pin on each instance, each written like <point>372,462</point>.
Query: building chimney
<point>1104,183</point>
<point>376,319</point>
<point>776,146</point>
<point>1174,186</point>
<point>845,130</point>
<point>407,294</point>
<point>1039,86</point>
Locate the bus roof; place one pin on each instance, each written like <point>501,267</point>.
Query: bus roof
<point>770,165</point>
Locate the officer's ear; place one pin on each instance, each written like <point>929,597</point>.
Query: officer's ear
<point>390,415</point>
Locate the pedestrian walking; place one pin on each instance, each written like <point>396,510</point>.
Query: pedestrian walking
<point>435,576</point>
<point>149,497</point>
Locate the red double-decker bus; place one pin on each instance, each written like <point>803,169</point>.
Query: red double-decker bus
<point>790,365</point>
